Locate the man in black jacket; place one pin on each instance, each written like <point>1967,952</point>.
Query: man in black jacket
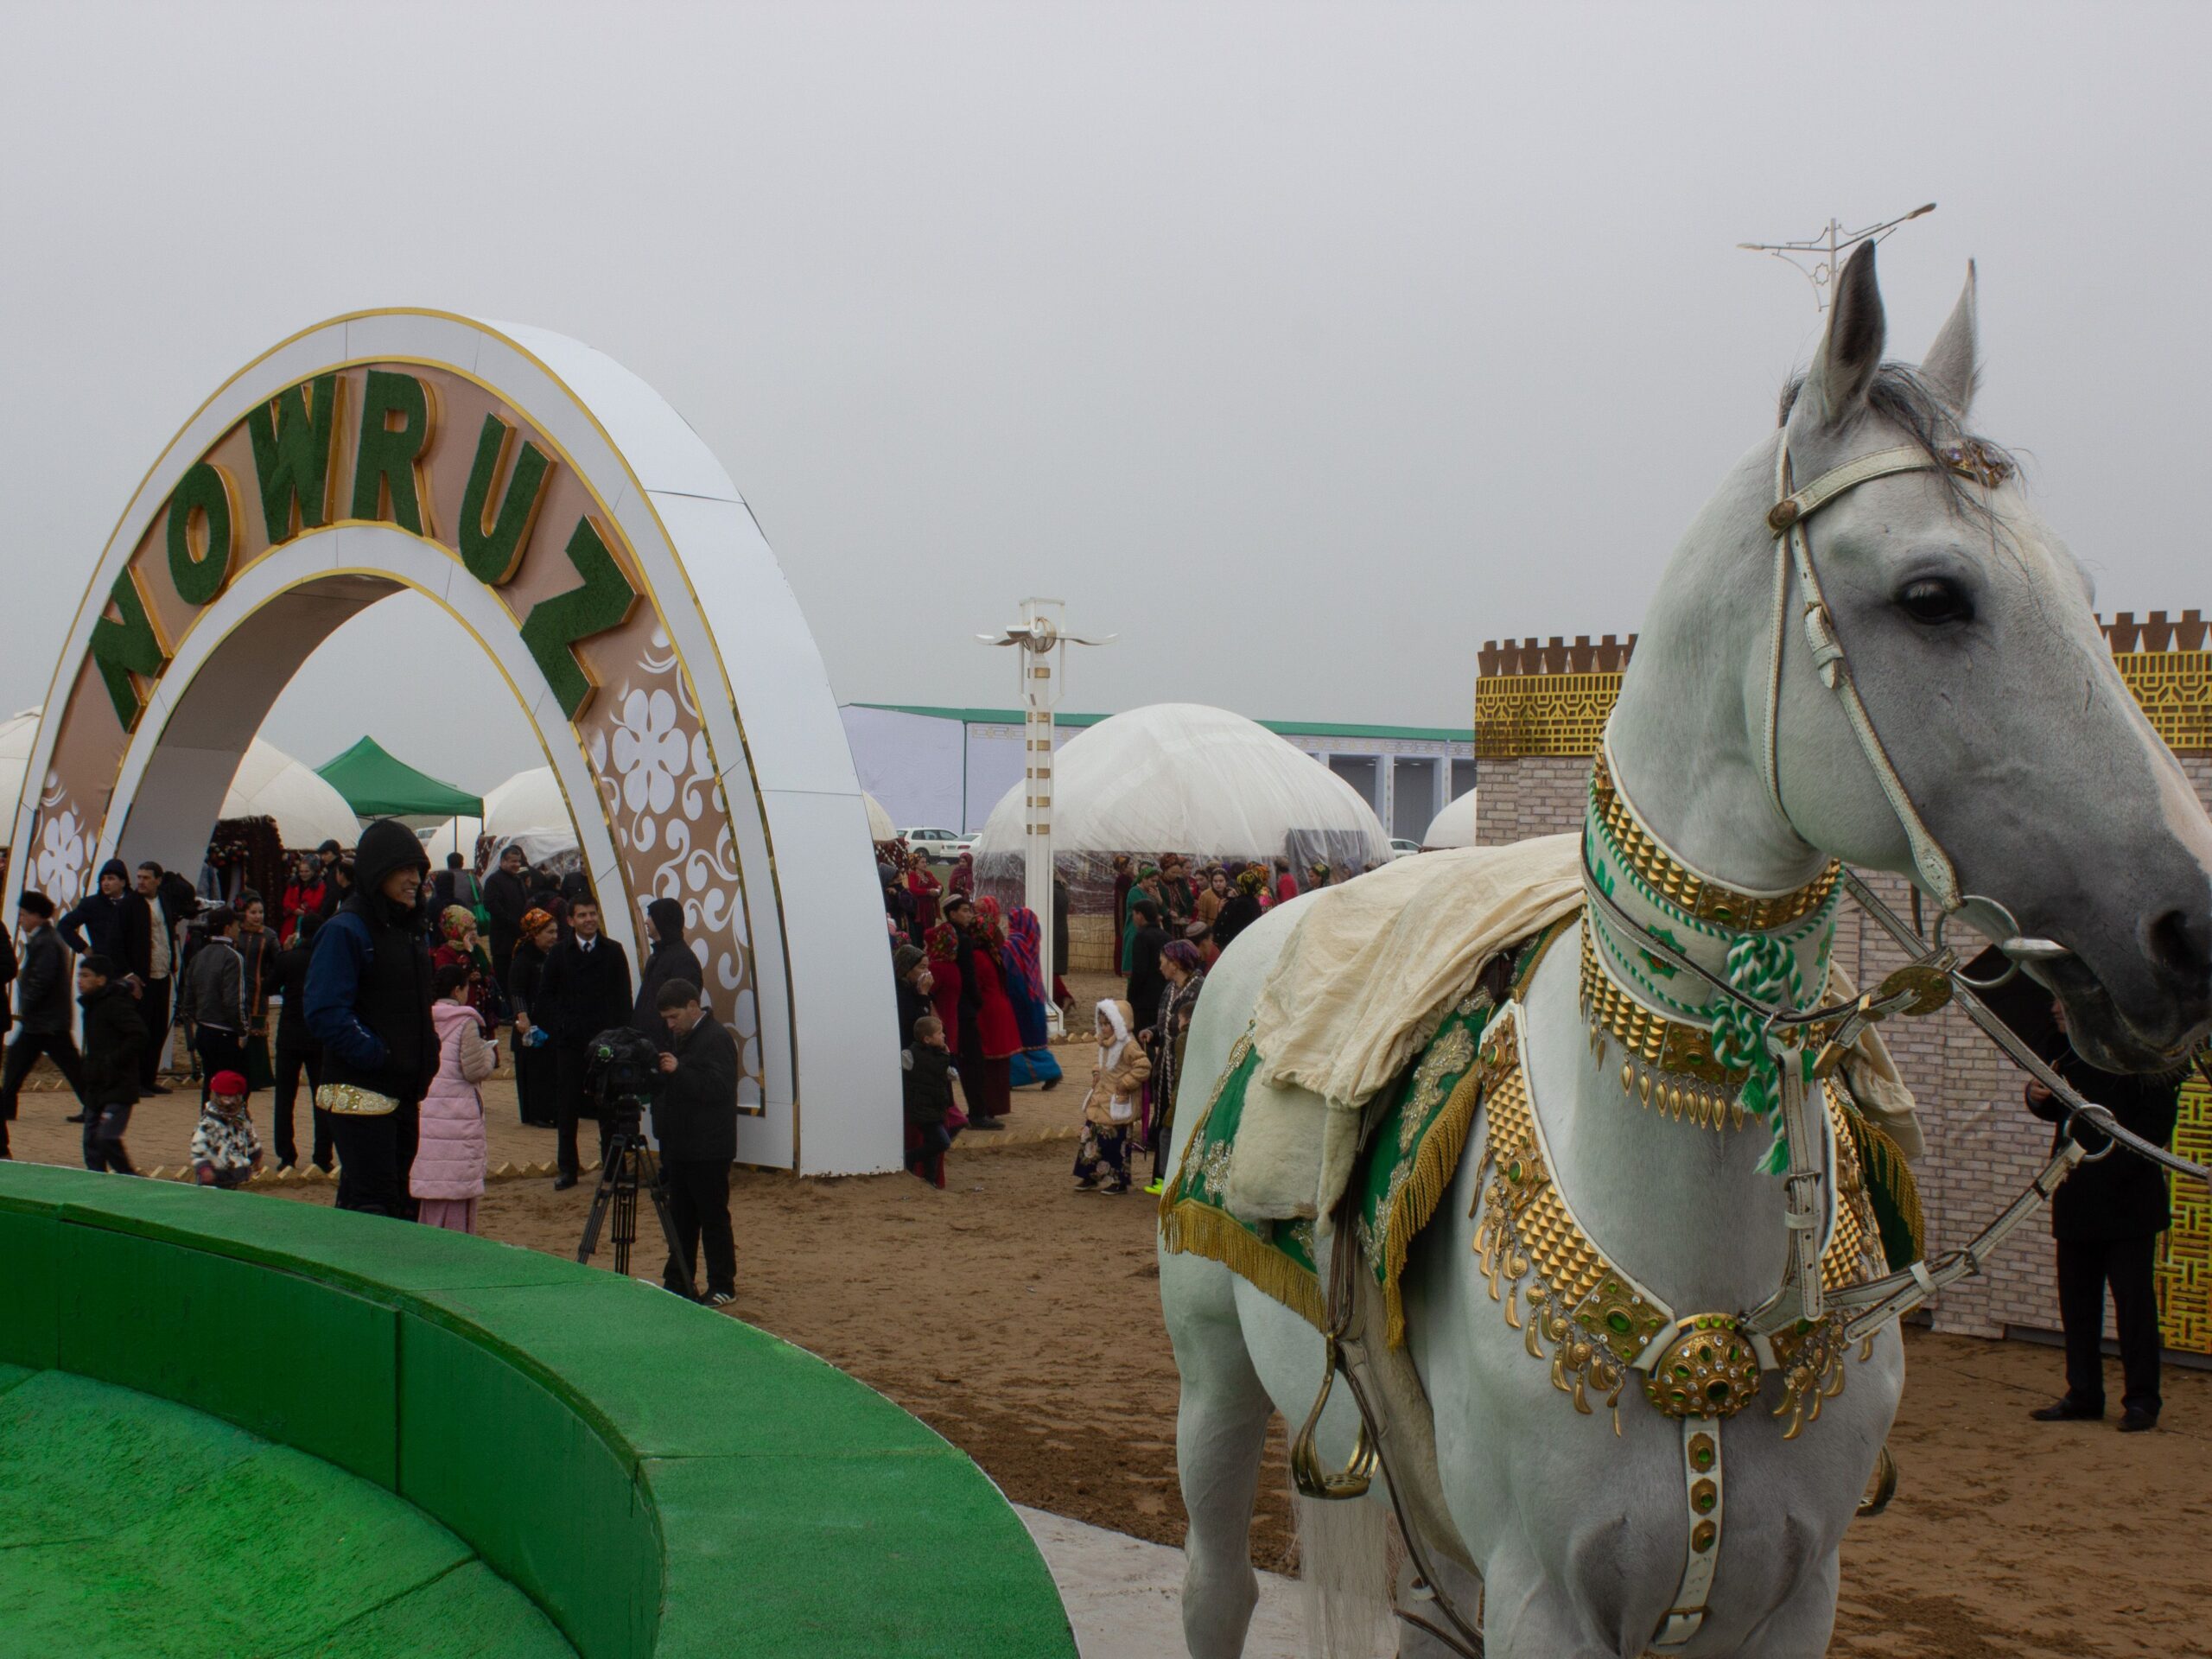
<point>506,896</point>
<point>114,1035</point>
<point>669,959</point>
<point>584,990</point>
<point>1146,981</point>
<point>167,903</point>
<point>41,1010</point>
<point>2106,1218</point>
<point>114,922</point>
<point>368,1005</point>
<point>694,1120</point>
<point>298,1051</point>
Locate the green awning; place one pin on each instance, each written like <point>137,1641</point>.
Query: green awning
<point>378,785</point>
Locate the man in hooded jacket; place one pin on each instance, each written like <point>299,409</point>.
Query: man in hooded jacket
<point>368,1005</point>
<point>670,958</point>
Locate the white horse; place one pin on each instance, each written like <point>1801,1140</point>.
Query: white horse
<point>1980,666</point>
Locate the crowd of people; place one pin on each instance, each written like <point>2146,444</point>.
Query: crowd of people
<point>389,988</point>
<point>975,1005</point>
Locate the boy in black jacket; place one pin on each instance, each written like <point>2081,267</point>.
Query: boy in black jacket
<point>926,1088</point>
<point>114,1037</point>
<point>694,1120</point>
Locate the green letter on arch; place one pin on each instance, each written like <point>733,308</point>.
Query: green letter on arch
<point>291,433</point>
<point>133,645</point>
<point>384,459</point>
<point>201,577</point>
<point>555,625</point>
<point>492,554</point>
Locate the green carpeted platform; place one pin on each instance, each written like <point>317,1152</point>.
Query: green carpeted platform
<point>645,1477</point>
<point>132,1525</point>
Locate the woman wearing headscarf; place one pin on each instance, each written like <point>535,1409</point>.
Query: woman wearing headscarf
<point>1109,1110</point>
<point>458,946</point>
<point>1171,1033</point>
<point>1241,909</point>
<point>990,1038</point>
<point>1124,879</point>
<point>1025,985</point>
<point>922,890</point>
<point>964,875</point>
<point>1147,886</point>
<point>533,1056</point>
<point>943,948</point>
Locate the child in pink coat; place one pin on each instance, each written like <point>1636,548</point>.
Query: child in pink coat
<point>448,1173</point>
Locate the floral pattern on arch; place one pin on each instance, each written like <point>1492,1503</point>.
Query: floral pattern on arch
<point>671,823</point>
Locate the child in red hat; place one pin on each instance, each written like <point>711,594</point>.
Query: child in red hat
<point>225,1149</point>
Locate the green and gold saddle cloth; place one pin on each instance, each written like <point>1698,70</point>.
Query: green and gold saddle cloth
<point>1413,1153</point>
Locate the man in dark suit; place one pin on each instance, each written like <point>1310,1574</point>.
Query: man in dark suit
<point>584,990</point>
<point>506,896</point>
<point>2106,1218</point>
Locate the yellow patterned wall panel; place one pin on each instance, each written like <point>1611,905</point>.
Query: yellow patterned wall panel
<point>1541,714</point>
<point>1518,714</point>
<point>2175,688</point>
<point>2185,1250</point>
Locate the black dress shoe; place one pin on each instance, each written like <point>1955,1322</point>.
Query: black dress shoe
<point>74,1117</point>
<point>2136,1420</point>
<point>2067,1410</point>
<point>562,1183</point>
<point>156,1089</point>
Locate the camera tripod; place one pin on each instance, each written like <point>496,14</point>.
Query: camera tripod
<point>630,1164</point>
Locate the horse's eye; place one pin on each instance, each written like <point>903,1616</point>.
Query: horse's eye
<point>1935,602</point>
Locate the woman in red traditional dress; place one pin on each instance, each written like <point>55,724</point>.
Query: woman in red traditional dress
<point>923,887</point>
<point>943,947</point>
<point>990,1038</point>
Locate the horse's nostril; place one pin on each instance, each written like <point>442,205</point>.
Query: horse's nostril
<point>2179,943</point>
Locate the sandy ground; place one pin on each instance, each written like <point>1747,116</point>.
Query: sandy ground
<point>1023,1322</point>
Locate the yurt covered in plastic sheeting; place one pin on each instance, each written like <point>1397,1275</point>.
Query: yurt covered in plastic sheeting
<point>1454,826</point>
<point>1181,778</point>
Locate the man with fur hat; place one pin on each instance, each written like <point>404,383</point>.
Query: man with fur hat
<point>42,1001</point>
<point>368,997</point>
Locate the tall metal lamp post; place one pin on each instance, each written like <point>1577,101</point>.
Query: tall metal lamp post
<point>1040,635</point>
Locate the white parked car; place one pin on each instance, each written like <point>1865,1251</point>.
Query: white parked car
<point>945,844</point>
<point>1400,848</point>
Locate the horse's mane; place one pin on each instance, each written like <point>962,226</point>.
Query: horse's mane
<point>1901,396</point>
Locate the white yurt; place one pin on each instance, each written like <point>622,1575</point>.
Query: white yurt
<point>269,784</point>
<point>17,733</point>
<point>528,809</point>
<point>1454,826</point>
<point>880,827</point>
<point>1184,777</point>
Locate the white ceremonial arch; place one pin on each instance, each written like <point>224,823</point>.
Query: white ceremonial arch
<point>557,509</point>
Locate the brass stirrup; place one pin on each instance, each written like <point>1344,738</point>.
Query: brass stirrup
<point>1305,1470</point>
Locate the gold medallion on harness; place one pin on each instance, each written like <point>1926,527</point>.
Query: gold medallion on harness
<point>1707,1370</point>
<point>1929,985</point>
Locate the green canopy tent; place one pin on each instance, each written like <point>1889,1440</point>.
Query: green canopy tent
<point>378,785</point>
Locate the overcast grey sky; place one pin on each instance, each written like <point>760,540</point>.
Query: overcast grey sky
<point>1303,347</point>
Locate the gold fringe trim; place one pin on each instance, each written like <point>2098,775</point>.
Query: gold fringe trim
<point>1435,1163</point>
<point>1884,1165</point>
<point>1195,1228</point>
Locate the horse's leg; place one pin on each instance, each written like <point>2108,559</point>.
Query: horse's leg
<point>1527,1614</point>
<point>1801,1627</point>
<point>1221,1426</point>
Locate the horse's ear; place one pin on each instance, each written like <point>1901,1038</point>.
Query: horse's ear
<point>1951,365</point>
<point>1843,368</point>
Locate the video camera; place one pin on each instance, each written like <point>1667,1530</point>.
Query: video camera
<point>623,1068</point>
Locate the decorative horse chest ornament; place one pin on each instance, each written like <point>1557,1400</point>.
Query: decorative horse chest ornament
<point>1632,1254</point>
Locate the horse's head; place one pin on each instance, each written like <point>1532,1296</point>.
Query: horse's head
<point>1970,637</point>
